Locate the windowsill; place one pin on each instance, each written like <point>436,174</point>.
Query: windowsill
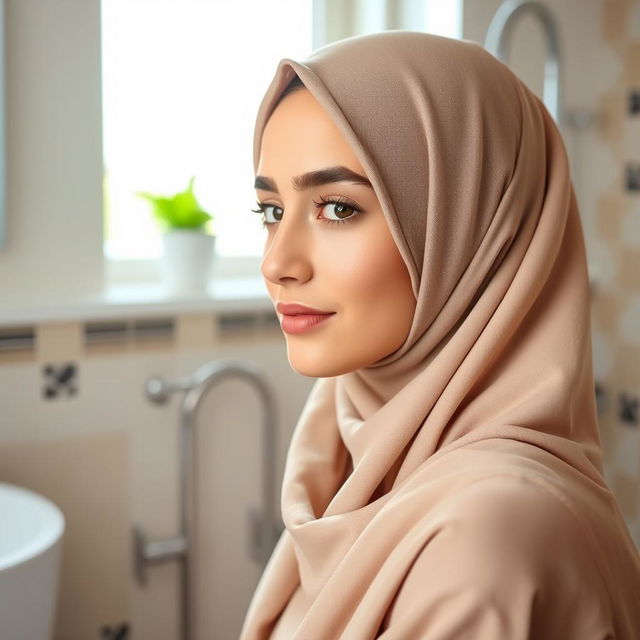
<point>145,299</point>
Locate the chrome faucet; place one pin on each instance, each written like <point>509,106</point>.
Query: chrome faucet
<point>496,42</point>
<point>265,524</point>
<point>499,37</point>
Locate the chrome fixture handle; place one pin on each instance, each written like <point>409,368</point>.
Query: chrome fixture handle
<point>264,524</point>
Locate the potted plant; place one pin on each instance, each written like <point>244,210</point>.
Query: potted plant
<point>188,251</point>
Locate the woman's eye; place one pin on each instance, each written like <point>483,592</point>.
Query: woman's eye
<point>276,213</point>
<point>338,209</point>
<point>343,209</point>
<point>263,210</point>
<point>333,211</point>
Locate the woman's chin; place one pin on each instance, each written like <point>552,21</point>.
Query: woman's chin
<point>314,371</point>
<point>322,367</point>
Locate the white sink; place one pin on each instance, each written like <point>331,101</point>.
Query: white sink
<point>31,530</point>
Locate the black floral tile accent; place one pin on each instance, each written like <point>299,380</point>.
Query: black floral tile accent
<point>601,397</point>
<point>628,408</point>
<point>632,177</point>
<point>120,632</point>
<point>60,380</point>
<point>633,104</point>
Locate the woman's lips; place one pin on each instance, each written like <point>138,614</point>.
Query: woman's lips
<point>302,323</point>
<point>295,308</point>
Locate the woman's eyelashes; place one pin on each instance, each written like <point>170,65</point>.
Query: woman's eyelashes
<point>343,208</point>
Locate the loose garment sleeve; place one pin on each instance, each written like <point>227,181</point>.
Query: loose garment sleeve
<point>514,563</point>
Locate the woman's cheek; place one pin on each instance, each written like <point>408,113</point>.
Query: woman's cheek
<point>358,263</point>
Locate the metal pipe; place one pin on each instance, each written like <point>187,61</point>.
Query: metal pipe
<point>499,37</point>
<point>265,528</point>
<point>496,42</point>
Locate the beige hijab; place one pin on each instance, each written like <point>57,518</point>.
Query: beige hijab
<point>454,489</point>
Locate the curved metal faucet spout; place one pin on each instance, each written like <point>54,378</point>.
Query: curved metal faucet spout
<point>265,526</point>
<point>499,37</point>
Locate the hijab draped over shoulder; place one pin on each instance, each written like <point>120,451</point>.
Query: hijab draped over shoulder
<point>454,489</point>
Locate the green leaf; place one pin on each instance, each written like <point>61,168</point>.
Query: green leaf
<point>181,210</point>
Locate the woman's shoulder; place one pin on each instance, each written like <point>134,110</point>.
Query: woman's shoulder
<point>523,520</point>
<point>512,515</point>
<point>509,560</point>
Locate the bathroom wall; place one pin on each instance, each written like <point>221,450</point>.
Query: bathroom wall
<point>53,151</point>
<point>108,457</point>
<point>600,53</point>
<point>76,426</point>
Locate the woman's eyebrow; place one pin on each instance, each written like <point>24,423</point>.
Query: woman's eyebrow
<point>315,179</point>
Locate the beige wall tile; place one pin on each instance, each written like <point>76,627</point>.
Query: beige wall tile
<point>611,114</point>
<point>626,373</point>
<point>629,268</point>
<point>610,211</point>
<point>632,62</point>
<point>17,357</point>
<point>195,330</point>
<point>605,309</point>
<point>627,491</point>
<point>59,342</point>
<point>614,18</point>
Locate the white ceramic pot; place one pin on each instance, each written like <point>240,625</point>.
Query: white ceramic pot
<point>187,261</point>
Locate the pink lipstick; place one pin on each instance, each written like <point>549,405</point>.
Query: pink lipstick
<point>298,318</point>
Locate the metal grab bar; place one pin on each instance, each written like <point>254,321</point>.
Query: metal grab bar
<point>264,528</point>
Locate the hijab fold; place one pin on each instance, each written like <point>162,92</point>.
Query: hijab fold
<point>495,377</point>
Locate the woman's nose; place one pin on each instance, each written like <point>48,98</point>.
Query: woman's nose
<point>287,253</point>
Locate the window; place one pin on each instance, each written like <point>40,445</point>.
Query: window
<point>182,81</point>
<point>442,17</point>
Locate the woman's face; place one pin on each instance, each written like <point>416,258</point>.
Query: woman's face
<point>351,268</point>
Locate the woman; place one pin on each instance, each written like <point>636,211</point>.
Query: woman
<point>445,478</point>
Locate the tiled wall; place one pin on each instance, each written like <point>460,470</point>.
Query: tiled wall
<point>616,305</point>
<point>78,429</point>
